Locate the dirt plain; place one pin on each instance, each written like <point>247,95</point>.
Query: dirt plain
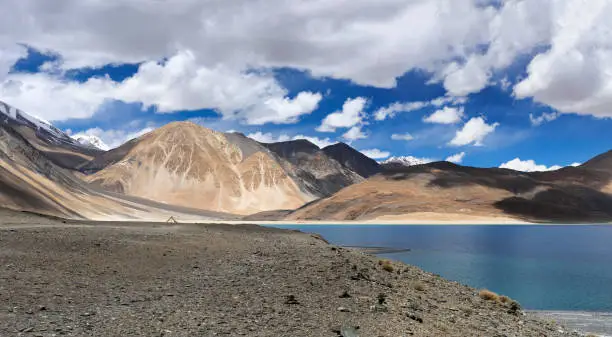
<point>80,278</point>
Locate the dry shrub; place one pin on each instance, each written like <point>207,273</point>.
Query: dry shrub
<point>386,266</point>
<point>488,295</point>
<point>419,286</point>
<point>504,299</point>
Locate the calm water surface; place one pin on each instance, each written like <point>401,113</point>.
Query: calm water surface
<point>543,267</point>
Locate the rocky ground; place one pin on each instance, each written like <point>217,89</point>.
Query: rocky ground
<point>121,279</point>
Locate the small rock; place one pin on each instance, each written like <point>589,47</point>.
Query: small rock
<point>291,300</point>
<point>379,308</point>
<point>415,317</point>
<point>345,294</point>
<point>30,329</point>
<point>42,308</point>
<point>344,309</point>
<point>349,331</point>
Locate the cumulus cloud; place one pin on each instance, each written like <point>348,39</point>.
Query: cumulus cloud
<point>376,153</point>
<point>394,108</point>
<point>326,39</point>
<point>473,132</point>
<point>178,84</point>
<point>543,118</point>
<point>403,136</point>
<point>446,115</point>
<point>354,133</point>
<point>351,114</point>
<point>456,158</point>
<point>527,166</point>
<point>270,138</point>
<point>115,137</point>
<point>575,74</point>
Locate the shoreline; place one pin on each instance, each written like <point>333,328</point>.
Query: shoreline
<point>596,323</point>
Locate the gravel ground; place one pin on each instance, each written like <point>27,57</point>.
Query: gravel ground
<point>120,279</point>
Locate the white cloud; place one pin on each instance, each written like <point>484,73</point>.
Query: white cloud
<point>9,55</point>
<point>376,153</point>
<point>354,133</point>
<point>473,132</point>
<point>393,109</point>
<point>326,38</point>
<point>404,136</point>
<point>320,142</point>
<point>115,138</point>
<point>446,115</point>
<point>178,84</point>
<point>575,74</point>
<point>469,78</point>
<point>543,118</point>
<point>352,114</point>
<point>452,100</point>
<point>456,158</point>
<point>270,138</point>
<point>527,166</point>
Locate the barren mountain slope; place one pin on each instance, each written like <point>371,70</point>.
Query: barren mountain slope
<point>55,144</point>
<point>189,165</point>
<point>30,181</point>
<point>321,174</point>
<point>445,188</point>
<point>353,159</point>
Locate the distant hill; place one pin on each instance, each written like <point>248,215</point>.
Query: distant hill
<point>447,190</point>
<point>353,159</point>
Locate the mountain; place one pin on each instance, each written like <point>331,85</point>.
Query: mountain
<point>403,161</point>
<point>91,141</point>
<point>319,173</point>
<point>353,159</point>
<point>58,147</point>
<point>443,190</point>
<point>30,181</point>
<point>189,165</point>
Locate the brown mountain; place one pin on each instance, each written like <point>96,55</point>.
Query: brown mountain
<point>31,181</point>
<point>320,174</point>
<point>447,191</point>
<point>353,159</point>
<point>188,165</point>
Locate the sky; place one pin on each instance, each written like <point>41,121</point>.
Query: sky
<point>490,83</point>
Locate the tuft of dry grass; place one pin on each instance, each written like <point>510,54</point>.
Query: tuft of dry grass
<point>419,286</point>
<point>488,295</point>
<point>386,265</point>
<point>504,299</point>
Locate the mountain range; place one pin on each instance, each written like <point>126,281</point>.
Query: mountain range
<point>192,172</point>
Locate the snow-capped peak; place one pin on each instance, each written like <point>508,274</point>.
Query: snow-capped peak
<point>8,112</point>
<point>91,141</point>
<point>407,160</point>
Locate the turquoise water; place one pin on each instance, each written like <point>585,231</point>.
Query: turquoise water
<point>543,267</point>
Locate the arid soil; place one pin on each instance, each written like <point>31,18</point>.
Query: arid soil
<point>122,279</point>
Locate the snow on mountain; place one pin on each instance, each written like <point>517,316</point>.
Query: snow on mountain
<point>44,129</point>
<point>91,141</point>
<point>407,160</point>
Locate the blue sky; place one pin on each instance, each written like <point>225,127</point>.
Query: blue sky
<point>519,90</point>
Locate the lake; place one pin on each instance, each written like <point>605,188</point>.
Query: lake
<point>544,267</point>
